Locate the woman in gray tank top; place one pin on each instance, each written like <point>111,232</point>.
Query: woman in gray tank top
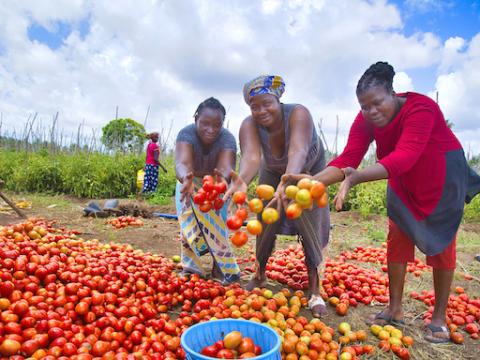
<point>277,139</point>
<point>204,148</point>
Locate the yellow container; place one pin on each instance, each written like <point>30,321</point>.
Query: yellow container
<point>140,178</point>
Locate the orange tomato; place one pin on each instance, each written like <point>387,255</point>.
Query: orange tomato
<point>255,205</point>
<point>265,192</point>
<point>239,197</point>
<point>317,190</point>
<point>254,227</point>
<point>293,211</point>
<point>239,239</point>
<point>322,201</point>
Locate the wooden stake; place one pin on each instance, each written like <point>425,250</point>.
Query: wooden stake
<point>12,205</point>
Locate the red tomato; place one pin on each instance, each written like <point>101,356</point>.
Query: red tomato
<point>225,354</point>
<point>242,213</point>
<point>221,187</point>
<point>218,204</point>
<point>219,344</point>
<point>199,198</point>
<point>210,351</point>
<point>208,178</point>
<point>246,346</point>
<point>206,206</point>
<point>239,197</point>
<point>234,222</point>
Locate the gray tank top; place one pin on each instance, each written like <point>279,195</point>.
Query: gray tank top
<point>279,165</point>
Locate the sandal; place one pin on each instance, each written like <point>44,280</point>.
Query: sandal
<point>383,319</point>
<point>317,305</point>
<point>432,330</point>
<point>256,283</point>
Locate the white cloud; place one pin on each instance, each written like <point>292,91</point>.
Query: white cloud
<point>402,82</point>
<point>171,55</point>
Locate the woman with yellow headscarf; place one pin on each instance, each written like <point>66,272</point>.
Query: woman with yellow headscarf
<point>274,139</point>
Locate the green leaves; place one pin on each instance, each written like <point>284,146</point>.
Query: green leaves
<point>123,135</point>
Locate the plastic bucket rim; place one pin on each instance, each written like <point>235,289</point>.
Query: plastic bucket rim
<point>272,351</point>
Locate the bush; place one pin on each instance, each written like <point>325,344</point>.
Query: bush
<point>366,198</point>
<point>83,175</point>
<point>472,210</point>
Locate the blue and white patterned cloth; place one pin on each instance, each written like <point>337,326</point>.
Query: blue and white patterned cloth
<point>264,84</point>
<point>150,181</point>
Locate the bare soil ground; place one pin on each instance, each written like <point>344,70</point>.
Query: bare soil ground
<point>349,230</point>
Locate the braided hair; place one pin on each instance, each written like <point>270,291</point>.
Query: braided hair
<point>378,74</point>
<point>210,103</point>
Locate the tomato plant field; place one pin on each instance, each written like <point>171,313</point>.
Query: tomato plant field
<point>73,287</point>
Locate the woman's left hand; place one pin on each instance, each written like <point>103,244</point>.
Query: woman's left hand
<point>351,179</point>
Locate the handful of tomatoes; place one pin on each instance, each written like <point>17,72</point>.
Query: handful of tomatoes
<point>208,197</point>
<point>233,346</point>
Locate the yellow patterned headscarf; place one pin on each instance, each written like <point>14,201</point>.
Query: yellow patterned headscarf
<point>264,84</point>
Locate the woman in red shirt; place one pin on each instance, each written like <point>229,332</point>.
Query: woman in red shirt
<point>429,181</point>
<point>150,180</point>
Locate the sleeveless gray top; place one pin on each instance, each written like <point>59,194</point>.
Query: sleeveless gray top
<point>279,165</point>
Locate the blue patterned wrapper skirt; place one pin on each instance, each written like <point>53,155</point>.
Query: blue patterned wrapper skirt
<point>150,180</point>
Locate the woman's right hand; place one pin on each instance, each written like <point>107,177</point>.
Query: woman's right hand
<point>187,186</point>
<point>236,184</point>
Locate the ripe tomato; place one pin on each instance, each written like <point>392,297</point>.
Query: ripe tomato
<point>239,197</point>
<point>269,215</point>
<point>208,178</point>
<point>255,205</point>
<point>317,190</point>
<point>210,351</point>
<point>247,355</point>
<point>254,227</point>
<point>239,239</point>
<point>232,340</point>
<point>221,187</point>
<point>303,197</point>
<point>199,198</point>
<point>293,211</point>
<point>234,222</point>
<point>225,354</point>
<point>206,206</point>
<point>322,201</point>
<point>218,204</point>
<point>246,346</point>
<point>242,213</point>
<point>265,192</point>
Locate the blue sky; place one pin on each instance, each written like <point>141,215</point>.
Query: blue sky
<point>55,34</point>
<point>445,18</point>
<point>84,58</point>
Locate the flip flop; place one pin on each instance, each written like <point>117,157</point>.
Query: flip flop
<point>388,320</point>
<point>317,305</point>
<point>430,337</point>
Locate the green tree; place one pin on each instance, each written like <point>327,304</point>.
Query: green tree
<point>123,135</point>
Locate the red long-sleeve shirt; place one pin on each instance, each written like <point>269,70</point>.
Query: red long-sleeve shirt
<point>411,147</point>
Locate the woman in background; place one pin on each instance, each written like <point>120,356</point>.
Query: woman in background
<point>152,161</point>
